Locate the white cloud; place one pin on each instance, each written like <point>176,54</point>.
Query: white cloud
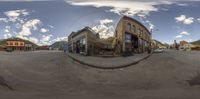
<point>22,37</point>
<point>183,4</point>
<point>189,20</point>
<point>106,21</point>
<point>28,26</point>
<point>4,20</point>
<point>141,8</point>
<point>7,35</point>
<point>184,33</point>
<point>105,28</point>
<point>127,7</point>
<point>6,31</point>
<point>179,36</point>
<point>45,40</point>
<point>198,19</point>
<point>14,15</point>
<point>60,39</point>
<point>43,30</point>
<point>33,39</point>
<point>20,26</point>
<point>180,18</point>
<point>183,19</point>
<point>150,24</point>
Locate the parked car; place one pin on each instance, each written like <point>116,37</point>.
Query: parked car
<point>159,50</point>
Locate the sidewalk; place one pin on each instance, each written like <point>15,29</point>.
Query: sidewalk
<point>108,63</point>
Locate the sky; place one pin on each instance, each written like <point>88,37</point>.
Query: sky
<point>47,21</point>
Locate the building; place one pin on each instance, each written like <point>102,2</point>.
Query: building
<point>17,44</point>
<point>85,42</point>
<point>131,37</point>
<point>184,45</point>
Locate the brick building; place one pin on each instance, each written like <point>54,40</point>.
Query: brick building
<point>131,37</point>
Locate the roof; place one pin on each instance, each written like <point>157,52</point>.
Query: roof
<point>129,18</point>
<point>184,42</point>
<point>82,30</point>
<point>14,39</point>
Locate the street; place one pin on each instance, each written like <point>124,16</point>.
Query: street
<point>53,75</point>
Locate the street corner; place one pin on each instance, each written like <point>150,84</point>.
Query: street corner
<point>108,63</point>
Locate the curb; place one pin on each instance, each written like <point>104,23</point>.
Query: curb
<point>115,67</point>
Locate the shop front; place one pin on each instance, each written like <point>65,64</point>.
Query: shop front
<point>131,43</point>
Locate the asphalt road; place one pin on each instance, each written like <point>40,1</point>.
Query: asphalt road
<point>53,75</point>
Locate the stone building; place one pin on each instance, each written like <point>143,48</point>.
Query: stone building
<point>131,37</point>
<point>85,42</point>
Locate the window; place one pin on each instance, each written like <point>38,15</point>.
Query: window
<point>133,28</point>
<point>11,43</point>
<point>127,38</point>
<point>139,31</point>
<point>21,44</point>
<point>16,43</point>
<point>82,44</point>
<point>129,26</point>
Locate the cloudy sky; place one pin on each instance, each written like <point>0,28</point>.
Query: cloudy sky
<point>47,21</point>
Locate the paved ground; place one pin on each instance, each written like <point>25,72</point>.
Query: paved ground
<point>109,63</point>
<point>52,75</point>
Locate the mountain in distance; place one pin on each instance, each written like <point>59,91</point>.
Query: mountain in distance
<point>58,45</point>
<point>158,42</point>
<point>196,42</point>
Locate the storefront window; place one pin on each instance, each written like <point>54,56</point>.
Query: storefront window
<point>82,45</point>
<point>127,38</point>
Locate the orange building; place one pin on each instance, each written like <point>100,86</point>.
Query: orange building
<point>15,44</point>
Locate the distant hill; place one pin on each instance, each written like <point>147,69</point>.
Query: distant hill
<point>58,45</point>
<point>196,42</point>
<point>2,42</point>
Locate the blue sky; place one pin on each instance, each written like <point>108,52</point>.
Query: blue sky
<point>45,22</point>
